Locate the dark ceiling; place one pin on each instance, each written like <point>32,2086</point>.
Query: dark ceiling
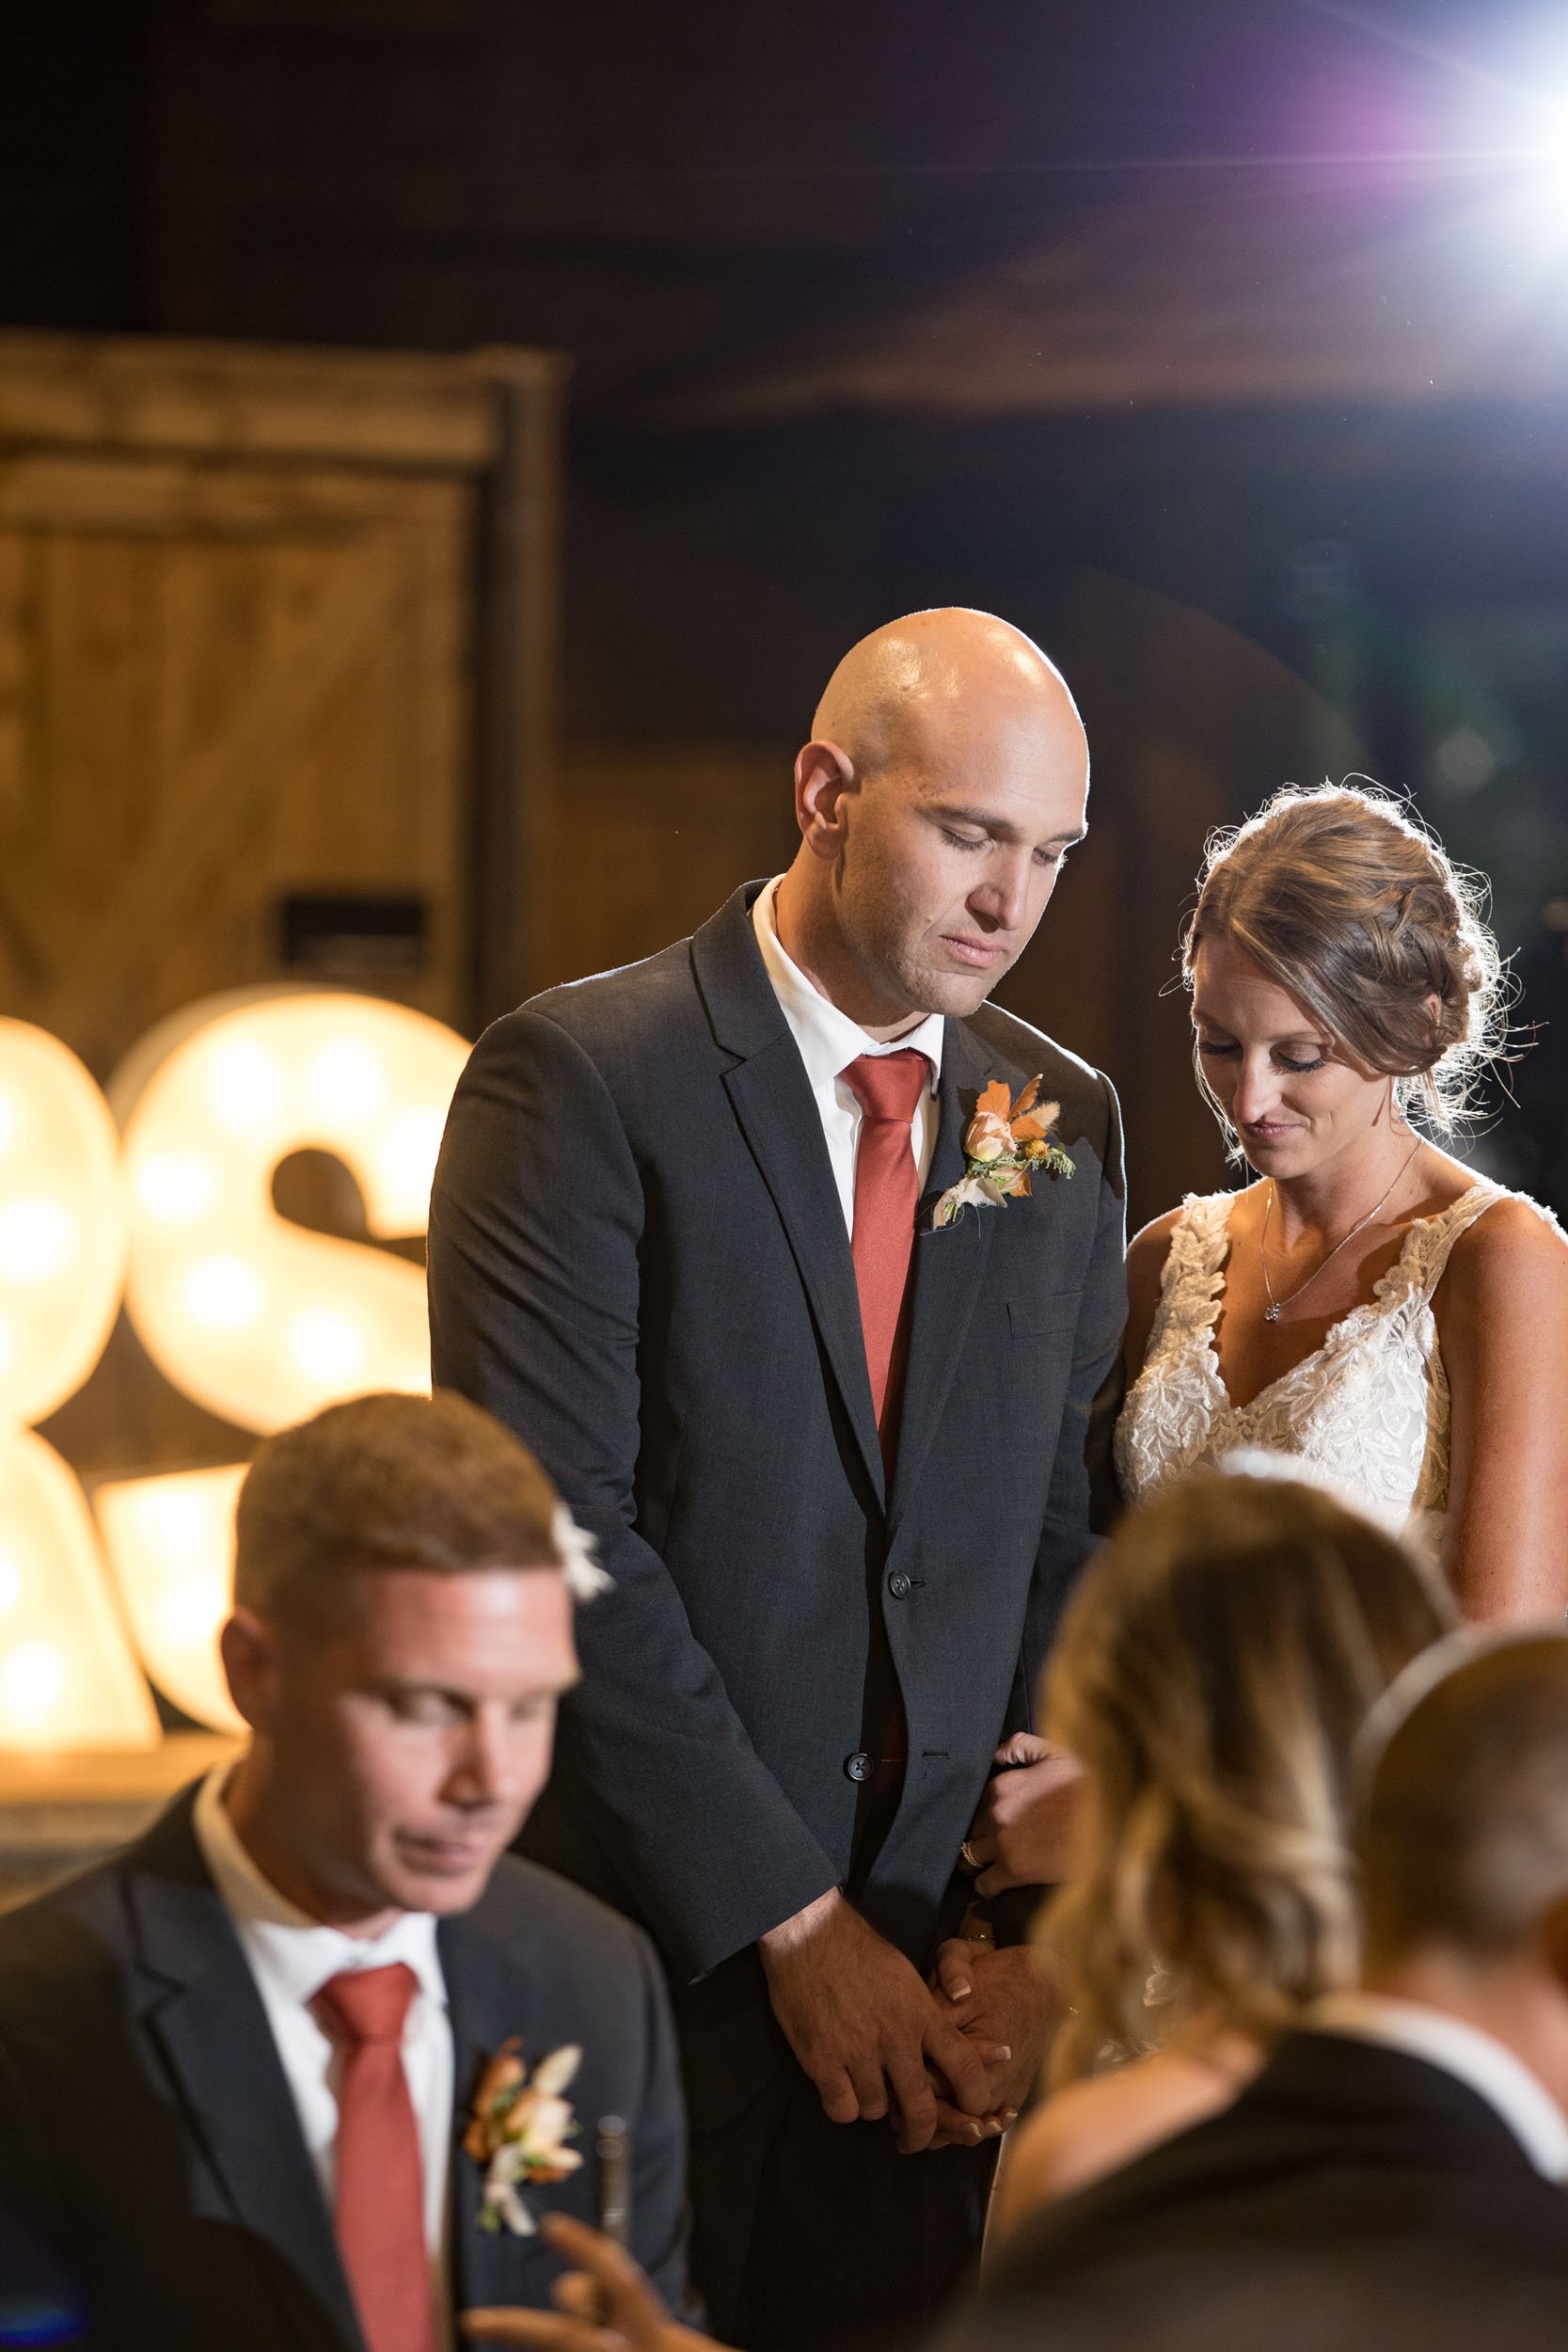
<point>676,194</point>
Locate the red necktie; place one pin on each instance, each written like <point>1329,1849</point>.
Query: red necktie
<point>380,2200</point>
<point>887,1186</point>
<point>887,1189</point>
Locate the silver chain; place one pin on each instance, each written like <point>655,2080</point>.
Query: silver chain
<point>1276,1307</point>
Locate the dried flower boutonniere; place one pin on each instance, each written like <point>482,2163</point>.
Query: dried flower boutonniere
<point>1007,1143</point>
<point>517,2130</point>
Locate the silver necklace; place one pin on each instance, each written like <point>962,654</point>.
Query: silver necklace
<point>1276,1307</point>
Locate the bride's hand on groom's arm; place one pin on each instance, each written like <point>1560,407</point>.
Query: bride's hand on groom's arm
<point>866,2029</point>
<point>1023,1833</point>
<point>1002,2000</point>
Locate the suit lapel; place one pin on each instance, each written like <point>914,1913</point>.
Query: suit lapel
<point>489,2001</point>
<point>201,2007</point>
<point>773,1103</point>
<point>945,1270</point>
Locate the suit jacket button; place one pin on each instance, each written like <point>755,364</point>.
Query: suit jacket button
<point>898,1585</point>
<point>858,1766</point>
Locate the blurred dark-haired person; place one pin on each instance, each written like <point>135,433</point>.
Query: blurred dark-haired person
<point>270,2078</point>
<point>1416,2123</point>
<point>1369,1303</point>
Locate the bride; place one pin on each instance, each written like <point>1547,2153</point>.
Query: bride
<point>1368,1303</point>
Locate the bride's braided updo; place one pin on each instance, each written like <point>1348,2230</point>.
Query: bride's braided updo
<point>1345,901</point>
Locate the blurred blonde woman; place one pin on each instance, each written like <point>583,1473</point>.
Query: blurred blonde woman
<point>1368,1303</point>
<point>1214,1669</point>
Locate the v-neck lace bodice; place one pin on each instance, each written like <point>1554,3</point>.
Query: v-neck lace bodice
<point>1368,1412</point>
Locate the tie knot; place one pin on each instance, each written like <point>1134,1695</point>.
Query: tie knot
<point>888,1085</point>
<point>370,2004</point>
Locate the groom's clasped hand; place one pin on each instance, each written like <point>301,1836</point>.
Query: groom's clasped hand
<point>877,2042</point>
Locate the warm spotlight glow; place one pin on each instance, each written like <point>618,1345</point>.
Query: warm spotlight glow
<point>254,1317</point>
<point>10,1581</point>
<point>172,1542</point>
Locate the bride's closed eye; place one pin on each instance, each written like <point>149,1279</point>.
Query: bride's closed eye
<point>1218,1052</point>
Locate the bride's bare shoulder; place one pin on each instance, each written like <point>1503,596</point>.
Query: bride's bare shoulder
<point>1147,1253</point>
<point>1509,1263</point>
<point>1095,2127</point>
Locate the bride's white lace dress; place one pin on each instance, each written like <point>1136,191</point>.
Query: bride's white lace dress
<point>1368,1414</point>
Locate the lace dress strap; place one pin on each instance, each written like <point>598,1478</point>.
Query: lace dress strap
<point>1430,1242</point>
<point>1193,1277</point>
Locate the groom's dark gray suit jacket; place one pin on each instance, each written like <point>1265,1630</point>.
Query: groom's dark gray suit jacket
<point>148,2134</point>
<point>637,1259</point>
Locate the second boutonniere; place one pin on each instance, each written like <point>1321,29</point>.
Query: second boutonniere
<point>518,2127</point>
<point>1007,1144</point>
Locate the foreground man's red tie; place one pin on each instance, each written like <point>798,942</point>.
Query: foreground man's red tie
<point>380,2200</point>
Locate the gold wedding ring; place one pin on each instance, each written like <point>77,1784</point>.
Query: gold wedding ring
<point>968,1857</point>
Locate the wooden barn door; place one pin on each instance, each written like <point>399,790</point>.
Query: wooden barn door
<point>220,688</point>
<point>275,640</point>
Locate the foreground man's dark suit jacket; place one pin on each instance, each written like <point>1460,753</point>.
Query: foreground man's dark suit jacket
<point>148,2134</point>
<point>1354,2196</point>
<point>639,1261</point>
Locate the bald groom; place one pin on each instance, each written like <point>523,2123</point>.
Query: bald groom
<point>682,1240</point>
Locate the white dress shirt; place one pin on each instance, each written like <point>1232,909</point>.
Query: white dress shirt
<point>1472,2056</point>
<point>292,1956</point>
<point>829,1043</point>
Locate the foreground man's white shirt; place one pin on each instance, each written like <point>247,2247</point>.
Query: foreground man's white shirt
<point>829,1043</point>
<point>292,1956</point>
<point>1475,2058</point>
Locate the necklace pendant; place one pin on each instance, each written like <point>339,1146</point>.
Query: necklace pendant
<point>1270,1315</point>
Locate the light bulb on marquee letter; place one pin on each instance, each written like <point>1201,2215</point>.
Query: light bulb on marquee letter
<point>66,1676</point>
<point>171,1539</point>
<point>254,1317</point>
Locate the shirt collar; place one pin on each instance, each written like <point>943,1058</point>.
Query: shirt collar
<point>1463,2050</point>
<point>828,1039</point>
<point>299,1954</point>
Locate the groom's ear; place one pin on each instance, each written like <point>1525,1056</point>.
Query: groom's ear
<point>824,773</point>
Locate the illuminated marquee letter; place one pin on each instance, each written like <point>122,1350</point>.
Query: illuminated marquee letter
<point>171,1539</point>
<point>253,1317</point>
<point>66,1676</point>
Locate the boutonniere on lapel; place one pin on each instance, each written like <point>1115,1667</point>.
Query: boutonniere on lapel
<point>518,2129</point>
<point>1007,1144</point>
